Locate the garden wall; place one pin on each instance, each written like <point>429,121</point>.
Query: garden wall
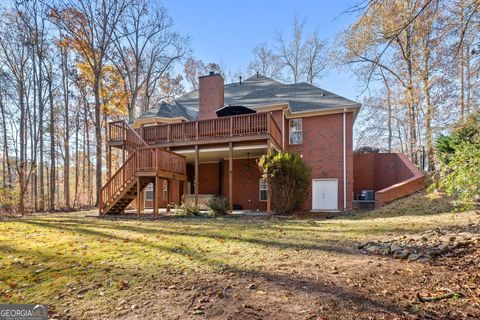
<point>390,175</point>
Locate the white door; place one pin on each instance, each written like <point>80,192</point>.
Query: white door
<point>324,194</point>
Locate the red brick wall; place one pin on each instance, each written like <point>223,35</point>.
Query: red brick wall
<point>364,171</point>
<point>245,184</point>
<point>208,176</point>
<point>173,192</point>
<point>211,96</point>
<point>322,151</point>
<point>391,175</point>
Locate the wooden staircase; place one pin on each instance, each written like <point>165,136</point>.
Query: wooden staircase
<point>142,167</point>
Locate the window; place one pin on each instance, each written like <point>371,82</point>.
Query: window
<point>165,190</point>
<point>149,192</point>
<point>263,190</point>
<point>295,131</point>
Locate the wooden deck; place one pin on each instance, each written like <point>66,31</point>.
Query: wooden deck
<point>251,127</point>
<point>149,160</point>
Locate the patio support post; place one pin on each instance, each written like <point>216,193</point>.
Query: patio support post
<point>269,202</point>
<point>156,197</point>
<point>138,198</point>
<point>196,174</point>
<point>168,194</point>
<point>182,191</point>
<point>142,201</point>
<point>230,176</point>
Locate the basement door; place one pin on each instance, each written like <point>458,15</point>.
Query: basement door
<point>325,194</point>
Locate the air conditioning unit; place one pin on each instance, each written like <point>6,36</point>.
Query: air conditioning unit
<point>366,195</point>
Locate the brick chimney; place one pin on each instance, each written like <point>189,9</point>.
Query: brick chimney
<point>211,96</point>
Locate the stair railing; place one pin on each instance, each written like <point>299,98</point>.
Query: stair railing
<point>143,159</point>
<point>122,131</point>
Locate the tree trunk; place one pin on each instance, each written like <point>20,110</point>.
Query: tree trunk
<point>41,108</point>
<point>52,145</point>
<point>66,142</point>
<point>98,137</point>
<point>21,165</point>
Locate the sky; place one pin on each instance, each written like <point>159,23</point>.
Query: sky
<point>225,32</point>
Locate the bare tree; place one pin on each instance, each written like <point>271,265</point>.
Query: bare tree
<point>265,62</point>
<point>90,25</point>
<point>146,48</point>
<point>14,53</point>
<point>315,61</point>
<point>292,51</point>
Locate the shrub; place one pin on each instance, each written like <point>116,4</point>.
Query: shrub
<point>8,199</point>
<point>219,205</point>
<point>459,157</point>
<point>367,149</point>
<point>288,179</point>
<point>186,209</point>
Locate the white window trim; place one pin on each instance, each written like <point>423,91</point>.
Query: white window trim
<point>260,190</point>
<point>149,188</point>
<point>290,131</point>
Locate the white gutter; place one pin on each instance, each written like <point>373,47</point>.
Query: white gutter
<point>344,161</point>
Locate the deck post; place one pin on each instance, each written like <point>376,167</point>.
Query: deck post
<point>156,195</point>
<point>168,194</point>
<point>196,174</point>
<point>138,198</point>
<point>183,191</point>
<point>109,162</point>
<point>230,176</point>
<point>269,202</point>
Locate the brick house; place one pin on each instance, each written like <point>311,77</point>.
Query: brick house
<point>215,135</point>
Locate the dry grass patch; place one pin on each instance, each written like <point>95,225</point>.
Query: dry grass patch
<point>88,267</point>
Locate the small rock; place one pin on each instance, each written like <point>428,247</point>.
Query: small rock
<point>394,247</point>
<point>372,249</point>
<point>385,250</point>
<point>401,254</point>
<point>134,307</point>
<point>425,258</point>
<point>443,247</point>
<point>252,286</point>
<point>413,257</point>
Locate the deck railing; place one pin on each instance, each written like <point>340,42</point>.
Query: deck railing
<point>141,160</point>
<point>122,132</point>
<point>241,125</point>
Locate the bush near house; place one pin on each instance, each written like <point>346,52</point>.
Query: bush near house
<point>459,157</point>
<point>219,205</point>
<point>287,177</point>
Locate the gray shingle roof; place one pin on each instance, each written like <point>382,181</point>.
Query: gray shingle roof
<point>255,92</point>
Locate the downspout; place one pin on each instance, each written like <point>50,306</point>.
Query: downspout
<point>344,161</point>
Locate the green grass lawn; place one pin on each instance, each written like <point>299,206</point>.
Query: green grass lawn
<point>80,263</point>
